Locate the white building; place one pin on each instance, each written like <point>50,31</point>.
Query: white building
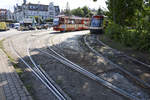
<point>31,10</point>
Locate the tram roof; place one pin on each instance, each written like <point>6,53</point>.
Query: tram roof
<point>72,17</point>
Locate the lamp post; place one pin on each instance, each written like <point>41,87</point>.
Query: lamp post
<point>38,12</point>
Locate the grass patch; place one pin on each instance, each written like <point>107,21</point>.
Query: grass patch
<point>2,47</point>
<point>29,88</point>
<point>112,43</point>
<point>1,43</point>
<point>19,71</point>
<point>12,61</point>
<point>58,81</point>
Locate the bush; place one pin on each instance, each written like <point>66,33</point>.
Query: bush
<point>136,38</point>
<point>113,31</point>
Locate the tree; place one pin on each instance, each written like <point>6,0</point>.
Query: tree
<point>99,11</point>
<point>67,10</point>
<point>38,19</point>
<point>123,10</point>
<point>78,12</point>
<point>82,12</point>
<point>86,11</point>
<point>48,20</point>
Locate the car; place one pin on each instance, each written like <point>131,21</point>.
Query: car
<point>44,26</point>
<point>16,25</point>
<point>31,27</point>
<point>3,26</point>
<point>23,28</point>
<point>39,27</point>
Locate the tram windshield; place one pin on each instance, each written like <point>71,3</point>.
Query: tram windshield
<point>96,22</point>
<point>56,21</point>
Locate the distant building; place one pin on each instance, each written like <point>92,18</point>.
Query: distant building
<point>5,15</point>
<point>31,10</point>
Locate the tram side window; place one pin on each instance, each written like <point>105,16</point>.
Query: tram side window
<point>79,21</point>
<point>62,21</point>
<point>76,21</point>
<point>56,21</point>
<point>69,22</point>
<point>72,21</point>
<point>85,22</point>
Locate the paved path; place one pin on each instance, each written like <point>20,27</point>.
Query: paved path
<point>11,87</point>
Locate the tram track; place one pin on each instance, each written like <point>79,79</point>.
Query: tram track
<point>129,57</point>
<point>140,82</point>
<point>89,74</point>
<point>137,66</point>
<point>40,74</point>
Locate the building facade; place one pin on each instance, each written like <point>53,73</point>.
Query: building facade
<point>31,10</point>
<point>5,15</point>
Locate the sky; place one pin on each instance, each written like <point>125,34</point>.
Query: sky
<point>9,4</point>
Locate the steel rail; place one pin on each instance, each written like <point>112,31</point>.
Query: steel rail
<point>117,66</point>
<point>34,72</point>
<point>134,59</point>
<point>88,74</point>
<point>55,91</point>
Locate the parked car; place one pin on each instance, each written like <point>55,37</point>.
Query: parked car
<point>31,27</point>
<point>44,26</point>
<point>3,26</point>
<point>39,27</point>
<point>23,28</point>
<point>16,25</point>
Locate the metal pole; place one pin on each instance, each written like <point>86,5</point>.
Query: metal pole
<point>38,12</point>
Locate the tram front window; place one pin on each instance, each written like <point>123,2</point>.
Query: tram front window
<point>96,22</point>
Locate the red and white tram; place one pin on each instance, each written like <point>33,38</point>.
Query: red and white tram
<point>65,23</point>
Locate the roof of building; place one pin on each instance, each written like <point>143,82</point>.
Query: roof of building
<point>37,7</point>
<point>1,9</point>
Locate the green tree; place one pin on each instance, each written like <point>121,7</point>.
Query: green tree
<point>123,10</point>
<point>48,20</point>
<point>38,19</point>
<point>82,12</point>
<point>99,11</point>
<point>78,12</point>
<point>86,11</point>
<point>129,13</point>
<point>67,10</point>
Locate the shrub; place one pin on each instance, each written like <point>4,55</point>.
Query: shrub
<point>137,38</point>
<point>113,31</point>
